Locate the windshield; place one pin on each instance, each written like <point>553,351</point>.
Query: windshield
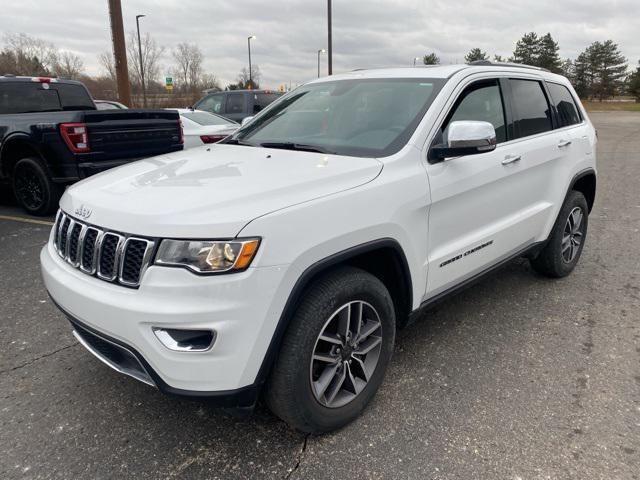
<point>206,118</point>
<point>361,117</point>
<point>24,97</point>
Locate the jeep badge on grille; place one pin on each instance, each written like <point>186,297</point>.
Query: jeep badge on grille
<point>83,212</point>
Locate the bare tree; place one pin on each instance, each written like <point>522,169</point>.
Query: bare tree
<point>243,82</point>
<point>151,54</point>
<point>68,64</point>
<point>25,55</point>
<point>188,66</point>
<point>107,62</point>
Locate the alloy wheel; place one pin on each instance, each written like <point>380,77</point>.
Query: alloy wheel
<point>346,354</point>
<point>572,235</point>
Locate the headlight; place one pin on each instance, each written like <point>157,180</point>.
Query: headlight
<point>208,256</point>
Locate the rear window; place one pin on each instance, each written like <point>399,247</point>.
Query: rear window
<point>532,113</point>
<point>261,100</point>
<point>565,105</point>
<point>204,118</point>
<point>27,97</point>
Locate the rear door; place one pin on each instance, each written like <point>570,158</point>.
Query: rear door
<point>235,106</point>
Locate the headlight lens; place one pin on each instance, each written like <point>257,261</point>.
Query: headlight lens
<point>208,256</point>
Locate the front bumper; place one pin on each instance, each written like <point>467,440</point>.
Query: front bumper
<point>243,309</point>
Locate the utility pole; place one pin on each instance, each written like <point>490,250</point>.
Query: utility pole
<point>329,44</point>
<point>252,37</point>
<point>144,88</point>
<point>119,52</point>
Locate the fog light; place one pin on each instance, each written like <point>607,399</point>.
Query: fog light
<point>181,340</point>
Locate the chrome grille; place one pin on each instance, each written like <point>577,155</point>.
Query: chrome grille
<point>111,256</point>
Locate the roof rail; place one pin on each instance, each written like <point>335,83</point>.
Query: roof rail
<point>489,63</point>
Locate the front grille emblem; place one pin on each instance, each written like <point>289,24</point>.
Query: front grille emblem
<point>83,212</point>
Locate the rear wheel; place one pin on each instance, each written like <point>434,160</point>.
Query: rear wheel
<point>335,352</point>
<point>561,253</point>
<point>34,190</point>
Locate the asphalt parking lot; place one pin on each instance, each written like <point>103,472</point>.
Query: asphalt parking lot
<point>520,377</point>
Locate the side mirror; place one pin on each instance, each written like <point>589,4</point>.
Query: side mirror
<point>246,120</point>
<point>467,137</point>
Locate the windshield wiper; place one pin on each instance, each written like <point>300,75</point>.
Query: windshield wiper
<point>295,146</point>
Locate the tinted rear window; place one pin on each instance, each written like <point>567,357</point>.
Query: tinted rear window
<point>565,105</point>
<point>261,100</point>
<point>25,97</point>
<point>532,114</point>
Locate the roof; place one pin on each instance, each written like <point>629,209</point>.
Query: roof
<point>435,71</point>
<point>13,78</point>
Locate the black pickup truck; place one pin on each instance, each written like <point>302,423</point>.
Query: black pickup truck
<point>51,135</point>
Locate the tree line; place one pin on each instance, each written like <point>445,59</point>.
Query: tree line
<point>22,54</point>
<point>599,72</point>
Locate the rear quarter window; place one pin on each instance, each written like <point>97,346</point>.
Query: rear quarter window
<point>568,112</point>
<point>532,114</point>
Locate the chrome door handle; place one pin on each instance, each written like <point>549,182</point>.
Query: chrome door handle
<point>564,143</point>
<point>511,159</point>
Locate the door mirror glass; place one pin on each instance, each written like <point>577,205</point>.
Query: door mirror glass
<point>246,120</point>
<point>465,137</point>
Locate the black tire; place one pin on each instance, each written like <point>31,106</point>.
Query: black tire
<point>33,189</point>
<point>289,392</point>
<point>554,260</point>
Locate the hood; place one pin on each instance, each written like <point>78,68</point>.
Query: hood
<point>211,191</point>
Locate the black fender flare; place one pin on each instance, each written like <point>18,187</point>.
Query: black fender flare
<point>305,279</point>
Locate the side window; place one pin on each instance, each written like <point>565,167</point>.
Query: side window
<point>565,104</point>
<point>482,102</point>
<point>261,100</point>
<point>235,103</point>
<point>531,109</point>
<point>212,103</point>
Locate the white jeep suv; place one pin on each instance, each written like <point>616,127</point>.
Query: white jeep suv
<point>280,262</point>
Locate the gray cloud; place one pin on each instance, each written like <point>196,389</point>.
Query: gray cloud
<point>366,32</point>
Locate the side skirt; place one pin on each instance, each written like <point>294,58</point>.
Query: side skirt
<point>529,252</point>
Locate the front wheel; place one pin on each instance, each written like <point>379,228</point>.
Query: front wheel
<point>33,189</point>
<point>561,253</point>
<point>335,352</point>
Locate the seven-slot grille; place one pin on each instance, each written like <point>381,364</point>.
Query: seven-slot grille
<point>110,256</point>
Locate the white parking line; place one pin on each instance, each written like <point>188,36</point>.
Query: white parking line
<point>25,220</point>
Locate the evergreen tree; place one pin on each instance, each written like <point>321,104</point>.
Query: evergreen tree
<point>610,68</point>
<point>567,69</point>
<point>583,75</point>
<point>633,84</point>
<point>603,69</point>
<point>498,59</point>
<point>431,59</point>
<point>548,54</point>
<point>475,54</point>
<point>527,49</point>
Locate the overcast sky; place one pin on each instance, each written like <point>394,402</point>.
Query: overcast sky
<point>366,33</point>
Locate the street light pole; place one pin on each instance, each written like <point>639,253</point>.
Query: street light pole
<point>252,37</point>
<point>329,43</point>
<point>414,60</point>
<point>322,50</point>
<point>144,88</point>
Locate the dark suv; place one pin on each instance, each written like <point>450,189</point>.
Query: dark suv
<point>236,104</point>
